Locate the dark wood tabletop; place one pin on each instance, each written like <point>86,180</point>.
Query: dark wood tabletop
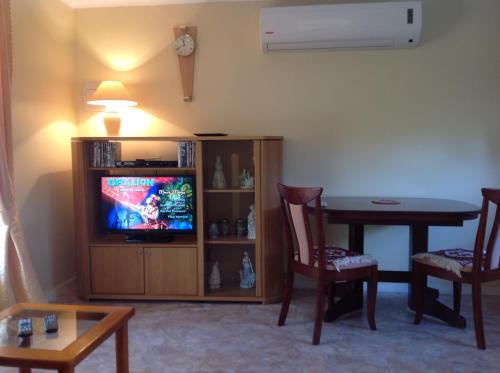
<point>407,211</point>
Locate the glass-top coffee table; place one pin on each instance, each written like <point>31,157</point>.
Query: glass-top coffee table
<point>81,330</point>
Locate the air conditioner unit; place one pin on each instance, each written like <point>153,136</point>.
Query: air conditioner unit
<point>339,26</point>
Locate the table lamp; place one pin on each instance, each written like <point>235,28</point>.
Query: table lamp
<point>113,95</point>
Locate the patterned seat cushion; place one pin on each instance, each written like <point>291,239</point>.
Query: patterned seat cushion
<point>338,258</point>
<point>454,260</point>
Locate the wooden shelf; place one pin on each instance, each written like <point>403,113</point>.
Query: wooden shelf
<point>230,290</point>
<point>231,190</point>
<point>114,240</point>
<point>230,240</point>
<point>173,169</point>
<point>175,139</point>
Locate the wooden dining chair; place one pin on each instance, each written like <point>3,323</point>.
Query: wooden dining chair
<point>464,266</point>
<point>309,256</point>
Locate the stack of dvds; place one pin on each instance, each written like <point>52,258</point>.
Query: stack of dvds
<point>186,152</point>
<point>104,153</point>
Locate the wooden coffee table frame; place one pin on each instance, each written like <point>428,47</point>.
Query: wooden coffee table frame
<point>65,360</point>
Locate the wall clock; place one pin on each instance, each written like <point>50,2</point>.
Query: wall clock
<point>185,45</point>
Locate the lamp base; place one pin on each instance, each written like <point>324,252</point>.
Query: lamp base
<point>112,122</point>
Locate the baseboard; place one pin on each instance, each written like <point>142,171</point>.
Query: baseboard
<point>52,294</point>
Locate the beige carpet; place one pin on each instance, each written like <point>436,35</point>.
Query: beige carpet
<point>214,337</point>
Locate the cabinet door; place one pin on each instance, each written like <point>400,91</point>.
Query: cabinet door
<point>171,270</point>
<point>117,269</point>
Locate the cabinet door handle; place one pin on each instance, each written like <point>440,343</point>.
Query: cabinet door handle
<point>138,251</point>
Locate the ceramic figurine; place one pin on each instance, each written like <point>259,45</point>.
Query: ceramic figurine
<point>214,278</point>
<point>246,181</point>
<point>240,227</point>
<point>213,231</point>
<point>247,276</point>
<point>251,223</point>
<point>223,225</point>
<point>218,180</point>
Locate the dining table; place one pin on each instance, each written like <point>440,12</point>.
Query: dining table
<point>418,214</point>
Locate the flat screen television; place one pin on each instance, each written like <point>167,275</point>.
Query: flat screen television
<point>148,208</point>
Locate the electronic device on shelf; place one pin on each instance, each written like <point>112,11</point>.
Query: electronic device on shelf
<point>210,134</point>
<point>50,323</point>
<point>24,327</point>
<point>148,208</point>
<point>146,163</point>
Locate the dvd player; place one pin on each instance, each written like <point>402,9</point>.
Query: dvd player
<point>146,163</point>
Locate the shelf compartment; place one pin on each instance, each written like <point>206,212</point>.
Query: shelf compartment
<point>230,240</point>
<point>231,190</point>
<point>235,156</point>
<point>230,290</point>
<point>230,263</point>
<point>231,206</point>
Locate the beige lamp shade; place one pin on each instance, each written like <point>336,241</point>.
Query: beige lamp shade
<point>111,93</point>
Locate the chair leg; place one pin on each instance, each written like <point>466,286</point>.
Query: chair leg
<point>418,291</point>
<point>457,296</point>
<point>320,311</point>
<point>372,296</point>
<point>287,297</point>
<point>478,314</point>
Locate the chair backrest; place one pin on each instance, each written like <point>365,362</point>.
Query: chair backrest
<point>297,205</point>
<point>491,254</point>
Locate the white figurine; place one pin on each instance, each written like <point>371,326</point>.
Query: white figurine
<point>251,223</point>
<point>247,276</point>
<point>219,180</point>
<point>246,181</point>
<point>214,278</point>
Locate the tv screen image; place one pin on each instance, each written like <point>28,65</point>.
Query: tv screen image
<point>148,203</point>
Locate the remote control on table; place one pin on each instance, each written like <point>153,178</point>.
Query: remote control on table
<point>50,323</point>
<point>24,328</point>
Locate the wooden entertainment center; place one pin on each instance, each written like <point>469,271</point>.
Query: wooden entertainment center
<point>108,267</point>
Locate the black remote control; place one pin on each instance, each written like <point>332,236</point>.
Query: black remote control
<point>24,327</point>
<point>50,323</point>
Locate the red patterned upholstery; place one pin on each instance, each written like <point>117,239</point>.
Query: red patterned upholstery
<point>455,260</point>
<point>338,258</point>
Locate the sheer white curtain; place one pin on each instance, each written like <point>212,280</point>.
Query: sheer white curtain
<point>18,282</point>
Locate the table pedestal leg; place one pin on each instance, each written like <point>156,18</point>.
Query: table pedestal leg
<point>122,349</point>
<point>419,242</point>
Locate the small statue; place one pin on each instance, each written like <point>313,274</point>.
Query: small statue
<point>251,223</point>
<point>213,231</point>
<point>219,180</point>
<point>246,181</point>
<point>247,276</point>
<point>214,278</point>
<point>240,227</point>
<point>223,225</point>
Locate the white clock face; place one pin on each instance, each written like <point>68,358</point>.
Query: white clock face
<point>184,45</point>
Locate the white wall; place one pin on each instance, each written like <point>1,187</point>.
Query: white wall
<point>43,122</point>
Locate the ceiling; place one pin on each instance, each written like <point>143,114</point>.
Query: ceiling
<point>122,3</point>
